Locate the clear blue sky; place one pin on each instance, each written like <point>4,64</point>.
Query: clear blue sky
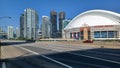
<point>14,8</point>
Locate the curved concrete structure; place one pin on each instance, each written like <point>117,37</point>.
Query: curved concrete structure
<point>95,18</point>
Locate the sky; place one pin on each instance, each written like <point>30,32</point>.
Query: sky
<point>14,8</point>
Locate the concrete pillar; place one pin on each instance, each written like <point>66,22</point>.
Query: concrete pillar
<point>85,34</point>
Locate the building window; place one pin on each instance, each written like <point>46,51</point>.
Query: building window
<point>78,35</point>
<point>103,34</point>
<point>82,37</point>
<point>111,34</point>
<point>70,35</point>
<point>74,35</point>
<point>97,34</point>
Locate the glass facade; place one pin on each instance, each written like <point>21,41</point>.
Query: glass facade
<point>46,27</point>
<point>105,34</point>
<point>53,20</point>
<point>30,24</point>
<point>22,25</point>
<point>97,34</point>
<point>111,34</point>
<point>10,32</point>
<point>61,18</point>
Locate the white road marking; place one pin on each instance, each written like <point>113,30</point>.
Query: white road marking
<point>95,58</point>
<point>3,65</point>
<point>46,57</point>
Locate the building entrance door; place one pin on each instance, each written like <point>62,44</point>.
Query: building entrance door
<point>85,32</point>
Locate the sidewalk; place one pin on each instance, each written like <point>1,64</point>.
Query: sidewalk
<point>11,52</point>
<point>74,43</point>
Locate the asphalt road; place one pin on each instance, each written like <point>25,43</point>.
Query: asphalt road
<point>48,58</point>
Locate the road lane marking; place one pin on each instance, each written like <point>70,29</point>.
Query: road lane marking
<point>95,58</point>
<point>3,65</point>
<point>46,57</point>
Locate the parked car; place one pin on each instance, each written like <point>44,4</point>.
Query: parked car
<point>88,41</point>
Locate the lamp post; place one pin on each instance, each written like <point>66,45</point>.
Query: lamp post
<point>0,39</point>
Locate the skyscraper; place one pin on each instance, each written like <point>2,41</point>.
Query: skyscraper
<point>3,33</point>
<point>10,32</point>
<point>46,27</point>
<point>53,19</point>
<point>22,26</point>
<point>30,24</point>
<point>61,18</point>
<point>17,33</point>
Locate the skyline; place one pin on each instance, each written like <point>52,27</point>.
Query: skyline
<point>72,8</point>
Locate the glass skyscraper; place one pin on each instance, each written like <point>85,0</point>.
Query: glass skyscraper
<point>30,25</point>
<point>10,32</point>
<point>22,26</point>
<point>17,33</point>
<point>46,27</point>
<point>53,19</point>
<point>61,18</point>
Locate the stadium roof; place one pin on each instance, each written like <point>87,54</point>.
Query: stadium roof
<point>95,18</point>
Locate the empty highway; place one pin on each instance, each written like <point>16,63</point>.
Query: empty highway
<point>17,54</point>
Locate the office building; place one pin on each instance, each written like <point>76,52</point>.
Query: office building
<point>46,27</point>
<point>10,32</point>
<point>39,34</point>
<point>3,33</point>
<point>17,33</point>
<point>61,18</point>
<point>22,26</point>
<point>53,20</point>
<point>30,24</point>
<point>94,25</point>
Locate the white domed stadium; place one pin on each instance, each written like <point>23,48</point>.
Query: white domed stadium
<point>94,24</point>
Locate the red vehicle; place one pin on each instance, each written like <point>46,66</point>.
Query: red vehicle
<point>87,41</point>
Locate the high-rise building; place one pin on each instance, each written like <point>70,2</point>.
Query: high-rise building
<point>3,33</point>
<point>39,34</point>
<point>22,26</point>
<point>10,32</point>
<point>17,33</point>
<point>30,25</point>
<point>46,27</point>
<point>61,18</point>
<point>53,19</point>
